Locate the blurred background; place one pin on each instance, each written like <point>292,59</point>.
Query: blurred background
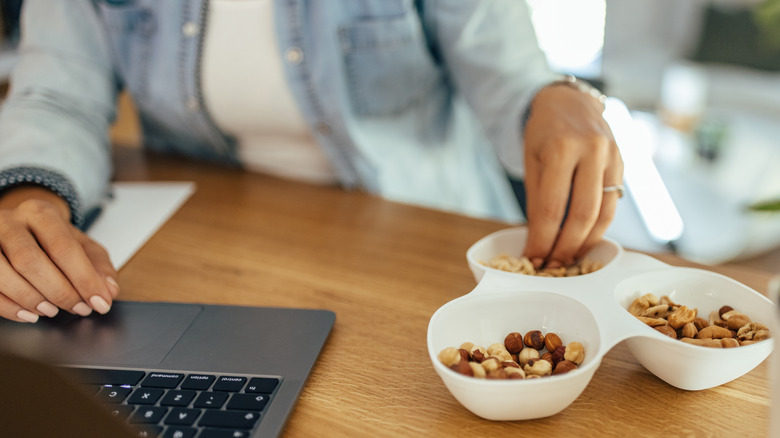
<point>694,90</point>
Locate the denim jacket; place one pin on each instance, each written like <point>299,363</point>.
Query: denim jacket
<point>418,101</point>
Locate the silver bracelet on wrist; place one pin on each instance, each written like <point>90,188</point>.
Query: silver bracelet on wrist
<point>583,86</point>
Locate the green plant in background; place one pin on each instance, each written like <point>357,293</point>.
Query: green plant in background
<point>766,15</point>
<point>773,205</point>
<point>767,18</point>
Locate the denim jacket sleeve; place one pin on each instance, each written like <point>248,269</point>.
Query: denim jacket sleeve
<point>491,52</point>
<point>54,127</point>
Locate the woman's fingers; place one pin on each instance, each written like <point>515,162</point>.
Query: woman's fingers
<point>570,153</point>
<point>547,194</point>
<point>47,264</point>
<point>101,261</point>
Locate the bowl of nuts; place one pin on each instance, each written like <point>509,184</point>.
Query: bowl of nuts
<point>514,356</point>
<point>699,329</point>
<point>502,251</point>
<point>525,346</point>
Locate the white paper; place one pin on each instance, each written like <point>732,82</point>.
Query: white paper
<point>136,211</point>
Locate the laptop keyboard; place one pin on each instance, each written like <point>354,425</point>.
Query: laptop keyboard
<point>182,405</point>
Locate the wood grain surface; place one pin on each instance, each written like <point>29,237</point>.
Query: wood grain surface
<point>385,268</point>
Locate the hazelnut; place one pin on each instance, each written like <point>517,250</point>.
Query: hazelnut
<point>575,352</point>
<point>509,364</point>
<point>464,354</point>
<point>564,367</point>
<point>491,364</point>
<point>498,374</point>
<point>515,373</point>
<point>537,367</point>
<point>534,339</point>
<point>513,342</point>
<point>527,354</point>
<point>462,368</point>
<point>498,350</point>
<point>450,356</point>
<point>552,341</point>
<point>477,370</point>
<point>467,346</point>
<point>548,357</point>
<point>558,353</point>
<point>478,353</point>
<point>729,343</point>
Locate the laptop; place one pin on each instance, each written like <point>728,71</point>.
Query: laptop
<point>159,369</point>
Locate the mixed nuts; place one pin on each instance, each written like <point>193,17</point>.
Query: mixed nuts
<point>522,265</point>
<point>724,328</point>
<point>528,356</point>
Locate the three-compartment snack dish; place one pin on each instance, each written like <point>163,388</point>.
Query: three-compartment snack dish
<point>592,310</point>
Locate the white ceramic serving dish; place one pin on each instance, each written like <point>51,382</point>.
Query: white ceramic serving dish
<point>590,309</point>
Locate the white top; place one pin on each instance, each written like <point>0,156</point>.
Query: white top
<point>245,91</point>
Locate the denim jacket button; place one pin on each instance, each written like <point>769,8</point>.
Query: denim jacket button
<point>293,55</point>
<point>190,29</point>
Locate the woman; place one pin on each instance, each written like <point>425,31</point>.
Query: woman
<point>429,102</point>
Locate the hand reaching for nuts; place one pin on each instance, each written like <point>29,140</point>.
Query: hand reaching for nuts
<point>518,357</point>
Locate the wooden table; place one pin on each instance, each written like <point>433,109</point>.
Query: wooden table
<point>384,268</point>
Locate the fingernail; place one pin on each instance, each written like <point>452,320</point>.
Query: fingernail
<point>113,287</point>
<point>553,264</point>
<point>48,309</point>
<point>27,316</point>
<point>82,309</point>
<point>537,262</point>
<point>99,304</point>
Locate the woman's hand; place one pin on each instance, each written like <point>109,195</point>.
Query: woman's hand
<point>570,156</point>
<point>46,263</point>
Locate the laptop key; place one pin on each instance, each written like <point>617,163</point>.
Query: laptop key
<point>229,383</point>
<point>162,380</point>
<point>248,402</point>
<point>224,433</point>
<point>182,416</point>
<point>111,394</point>
<point>148,414</point>
<point>263,385</point>
<point>99,376</point>
<point>229,419</point>
<point>213,400</point>
<point>178,398</point>
<point>145,396</point>
<point>198,382</point>
<point>148,432</point>
<point>119,411</point>
<point>180,432</point>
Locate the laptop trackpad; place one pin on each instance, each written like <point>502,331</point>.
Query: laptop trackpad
<point>132,334</point>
